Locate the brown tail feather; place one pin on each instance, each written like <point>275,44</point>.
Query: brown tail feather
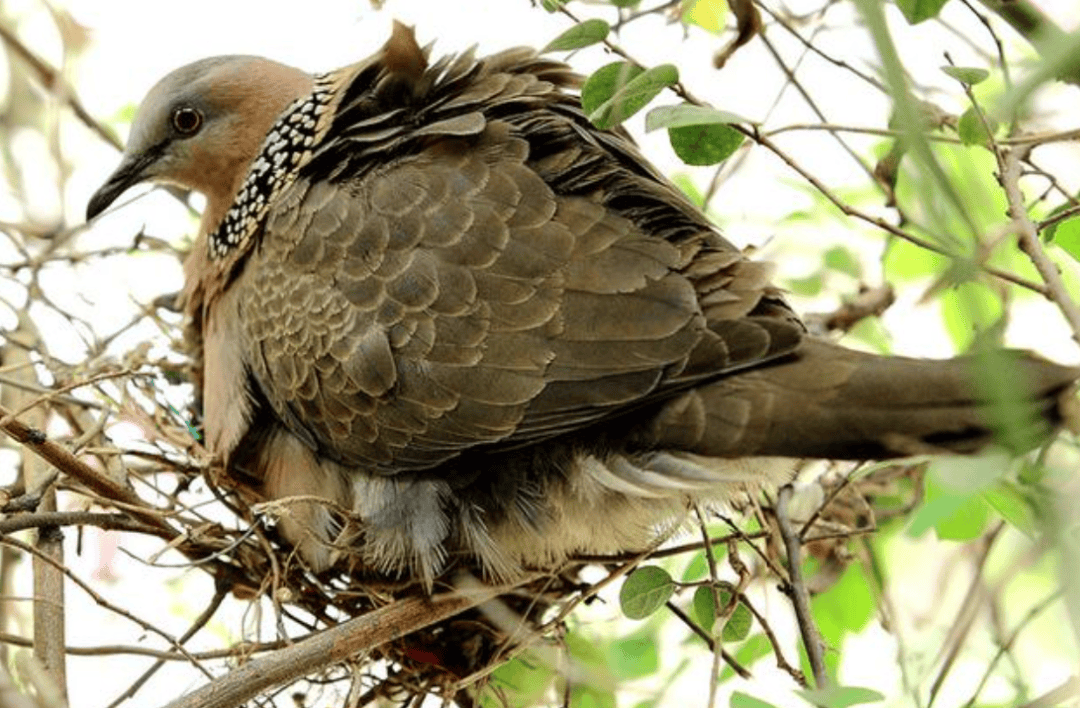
<point>829,402</point>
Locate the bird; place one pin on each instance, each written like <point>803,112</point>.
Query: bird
<point>441,318</point>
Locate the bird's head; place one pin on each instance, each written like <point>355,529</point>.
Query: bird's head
<point>201,126</point>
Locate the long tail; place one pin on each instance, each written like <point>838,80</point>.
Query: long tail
<point>829,402</point>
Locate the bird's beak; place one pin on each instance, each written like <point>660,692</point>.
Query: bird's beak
<point>132,170</point>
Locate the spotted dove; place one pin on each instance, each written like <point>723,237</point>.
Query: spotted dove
<point>435,296</point>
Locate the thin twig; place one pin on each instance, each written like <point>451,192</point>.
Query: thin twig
<point>781,662</point>
<point>1033,25</point>
<point>714,646</point>
<point>1007,644</point>
<point>57,455</point>
<point>880,223</point>
<point>967,614</point>
<point>886,609</point>
<point>105,521</point>
<point>241,649</point>
<point>808,99</point>
<point>54,81</point>
<point>669,552</point>
<point>1028,239</point>
<point>810,46</point>
<point>718,610</point>
<point>221,590</point>
<point>1063,694</point>
<point>100,600</point>
<point>797,590</point>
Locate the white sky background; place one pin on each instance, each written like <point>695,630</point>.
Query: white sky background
<point>134,43</point>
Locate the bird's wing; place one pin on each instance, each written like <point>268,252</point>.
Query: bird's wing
<point>492,271</point>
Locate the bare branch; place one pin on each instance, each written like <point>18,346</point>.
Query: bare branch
<point>332,646</point>
<point>797,590</point>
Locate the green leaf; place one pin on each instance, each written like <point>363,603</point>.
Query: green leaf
<point>1000,378</point>
<point>619,90</point>
<point>1032,474</point>
<point>846,607</point>
<point>1068,237</point>
<point>809,286</point>
<point>841,696</point>
<point>969,311</point>
<point>841,259</point>
<point>707,14</point>
<point>580,35</point>
<point>934,511</point>
<point>971,130</point>
<point>916,11</point>
<point>686,114</point>
<point>969,75</point>
<point>589,696</point>
<point>743,700</point>
<point>905,261</point>
<point>737,627</point>
<point>703,609</point>
<point>635,656</point>
<point>954,516</point>
<point>687,186</point>
<point>604,82</point>
<point>1065,234</point>
<point>965,475</point>
<point>705,144</point>
<point>1051,231</point>
<point>552,5</point>
<point>699,135</point>
<point>645,591</point>
<point>698,566</point>
<point>591,658</point>
<point>1014,507</point>
<point>953,223</point>
<point>870,331</point>
<point>625,3</point>
<point>520,679</point>
<point>586,651</point>
<point>126,114</point>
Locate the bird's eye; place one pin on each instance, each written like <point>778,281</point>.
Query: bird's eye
<point>186,120</point>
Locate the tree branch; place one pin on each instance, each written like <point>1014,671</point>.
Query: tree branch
<point>332,646</point>
<point>799,597</point>
<point>71,465</point>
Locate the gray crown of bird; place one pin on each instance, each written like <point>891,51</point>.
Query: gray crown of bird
<point>436,297</point>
